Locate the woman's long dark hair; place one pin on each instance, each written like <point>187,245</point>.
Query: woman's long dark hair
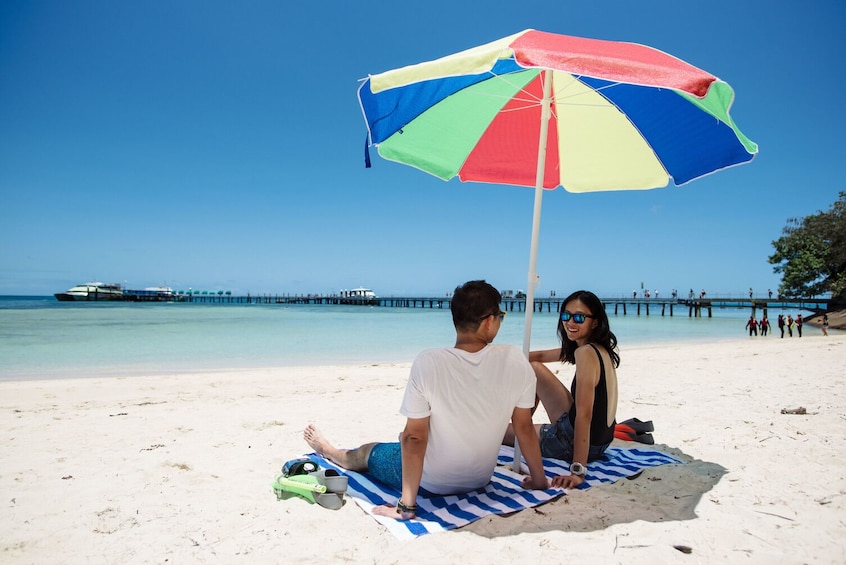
<point>601,335</point>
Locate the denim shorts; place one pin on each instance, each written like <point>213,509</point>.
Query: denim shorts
<point>556,441</point>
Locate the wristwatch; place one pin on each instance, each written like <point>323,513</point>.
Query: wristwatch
<point>577,468</point>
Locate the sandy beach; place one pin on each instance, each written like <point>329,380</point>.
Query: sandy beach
<point>177,469</point>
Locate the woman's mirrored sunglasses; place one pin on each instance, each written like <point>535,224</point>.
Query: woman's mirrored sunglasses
<point>578,318</point>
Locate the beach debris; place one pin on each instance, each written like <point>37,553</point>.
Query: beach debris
<point>152,447</point>
<point>684,548</point>
<point>118,414</point>
<point>776,515</point>
<point>800,410</point>
<point>827,499</point>
<point>66,477</point>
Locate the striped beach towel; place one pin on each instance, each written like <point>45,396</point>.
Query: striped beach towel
<point>503,495</point>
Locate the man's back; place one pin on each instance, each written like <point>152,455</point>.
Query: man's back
<point>469,398</point>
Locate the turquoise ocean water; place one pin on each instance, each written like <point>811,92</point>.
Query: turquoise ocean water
<point>41,338</point>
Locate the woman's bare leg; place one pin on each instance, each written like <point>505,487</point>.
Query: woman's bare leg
<point>508,438</point>
<point>554,396</point>
<point>550,392</point>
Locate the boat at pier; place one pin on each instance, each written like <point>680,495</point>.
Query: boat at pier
<point>151,294</point>
<point>101,292</point>
<point>92,291</point>
<point>359,295</point>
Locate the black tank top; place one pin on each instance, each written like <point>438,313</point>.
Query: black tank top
<point>600,434</point>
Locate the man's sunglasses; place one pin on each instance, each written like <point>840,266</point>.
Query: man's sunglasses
<point>500,315</point>
<point>578,318</point>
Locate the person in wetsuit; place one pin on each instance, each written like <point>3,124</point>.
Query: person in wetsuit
<point>582,419</point>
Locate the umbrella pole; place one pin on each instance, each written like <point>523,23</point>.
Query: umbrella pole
<point>546,104</point>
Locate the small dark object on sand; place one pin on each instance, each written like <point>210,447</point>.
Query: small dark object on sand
<point>800,410</point>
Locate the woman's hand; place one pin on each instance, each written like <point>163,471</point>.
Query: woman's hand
<point>568,481</point>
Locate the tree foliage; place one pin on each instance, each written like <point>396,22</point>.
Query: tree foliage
<point>811,254</point>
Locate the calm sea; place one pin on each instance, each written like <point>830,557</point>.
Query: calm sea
<point>41,338</point>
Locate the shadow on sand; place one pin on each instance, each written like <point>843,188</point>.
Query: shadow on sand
<point>660,494</point>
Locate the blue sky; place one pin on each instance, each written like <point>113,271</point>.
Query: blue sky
<point>219,145</point>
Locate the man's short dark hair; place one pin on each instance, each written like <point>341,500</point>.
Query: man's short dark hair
<point>472,302</point>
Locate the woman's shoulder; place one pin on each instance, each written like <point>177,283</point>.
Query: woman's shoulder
<point>591,349</point>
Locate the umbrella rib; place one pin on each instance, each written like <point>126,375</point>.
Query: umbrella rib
<point>532,101</point>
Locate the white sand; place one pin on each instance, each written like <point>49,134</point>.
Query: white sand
<point>177,469</point>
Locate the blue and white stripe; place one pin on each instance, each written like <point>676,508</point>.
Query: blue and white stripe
<point>503,495</point>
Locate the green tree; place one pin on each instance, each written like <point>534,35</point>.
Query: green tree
<point>811,254</point>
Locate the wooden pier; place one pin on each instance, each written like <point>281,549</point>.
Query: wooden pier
<point>638,306</point>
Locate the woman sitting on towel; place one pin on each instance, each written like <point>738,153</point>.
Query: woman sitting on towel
<point>582,419</point>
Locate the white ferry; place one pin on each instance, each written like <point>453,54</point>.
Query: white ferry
<point>94,291</point>
<point>151,294</point>
<point>359,295</point>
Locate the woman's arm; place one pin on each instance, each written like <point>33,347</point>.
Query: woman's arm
<point>545,356</point>
<point>587,377</point>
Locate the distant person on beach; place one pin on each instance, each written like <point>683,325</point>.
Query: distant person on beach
<point>765,325</point>
<point>582,419</point>
<point>752,326</point>
<point>781,324</point>
<point>790,324</point>
<point>799,324</point>
<point>825,324</point>
<point>458,403</point>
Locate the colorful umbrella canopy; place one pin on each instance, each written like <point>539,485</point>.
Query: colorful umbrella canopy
<point>623,115</point>
<point>541,109</point>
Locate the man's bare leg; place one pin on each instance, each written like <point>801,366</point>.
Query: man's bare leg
<point>352,459</point>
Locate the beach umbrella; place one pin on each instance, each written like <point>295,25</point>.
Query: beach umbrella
<point>544,110</point>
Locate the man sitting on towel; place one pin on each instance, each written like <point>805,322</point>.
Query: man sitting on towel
<point>458,403</point>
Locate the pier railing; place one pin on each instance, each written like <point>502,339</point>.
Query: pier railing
<point>693,307</point>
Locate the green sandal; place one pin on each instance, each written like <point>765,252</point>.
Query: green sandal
<point>308,487</point>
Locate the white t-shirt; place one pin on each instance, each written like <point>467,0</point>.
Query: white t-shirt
<point>469,398</point>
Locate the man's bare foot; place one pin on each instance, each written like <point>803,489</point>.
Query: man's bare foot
<point>315,440</point>
<point>352,459</point>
